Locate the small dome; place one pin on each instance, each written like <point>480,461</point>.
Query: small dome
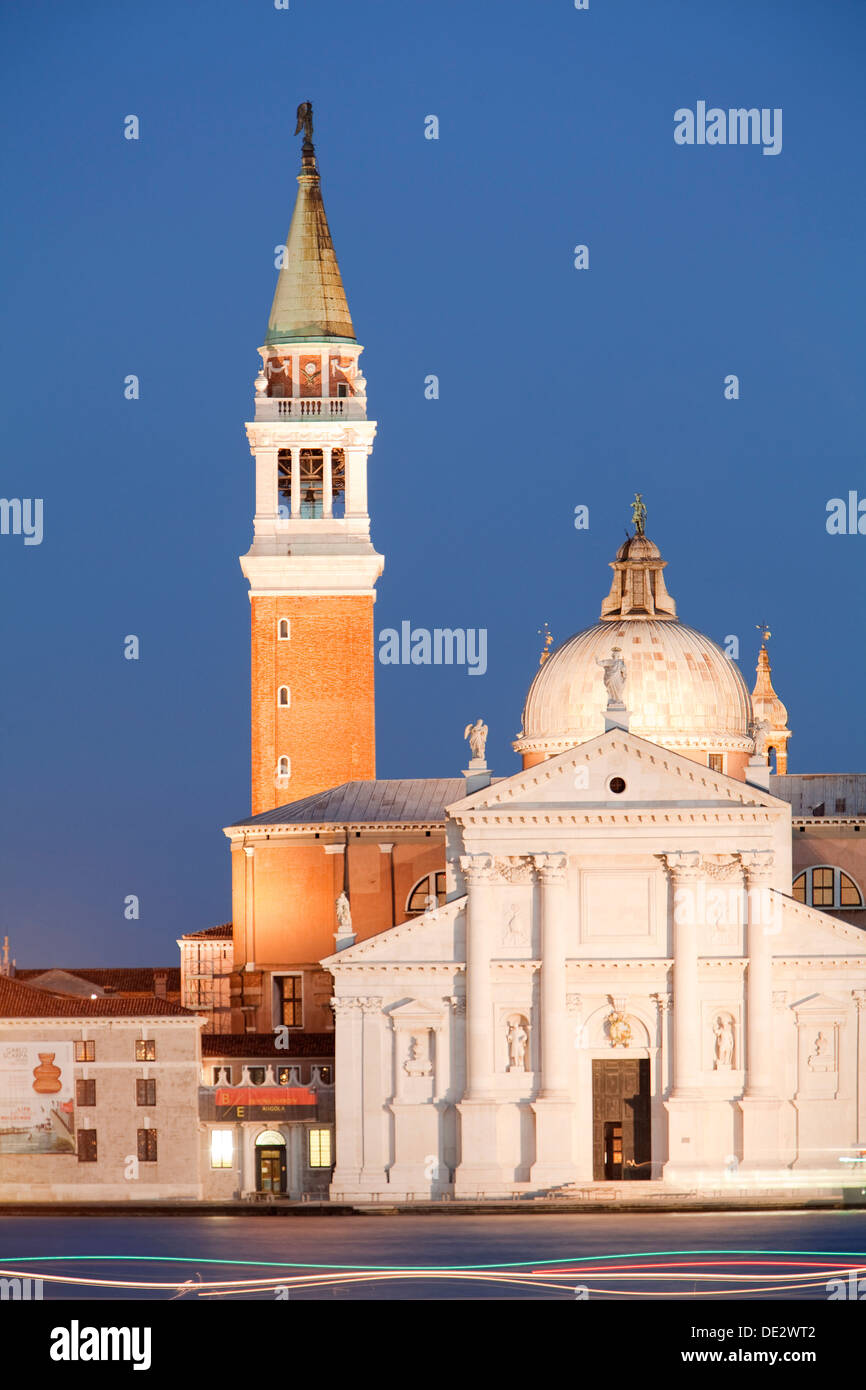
<point>638,548</point>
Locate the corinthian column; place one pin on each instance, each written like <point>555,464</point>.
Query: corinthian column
<point>480,1171</point>
<point>760,929</point>
<point>760,1105</point>
<point>479,870</point>
<point>685,874</point>
<point>554,1108</point>
<point>551,870</point>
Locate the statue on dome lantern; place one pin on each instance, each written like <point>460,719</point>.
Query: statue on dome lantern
<point>638,514</point>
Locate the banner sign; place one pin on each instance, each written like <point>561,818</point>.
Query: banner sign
<point>265,1103</point>
<point>36,1098</point>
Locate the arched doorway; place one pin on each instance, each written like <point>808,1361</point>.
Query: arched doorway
<point>271,1163</point>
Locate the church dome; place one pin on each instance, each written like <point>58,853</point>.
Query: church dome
<point>681,690</point>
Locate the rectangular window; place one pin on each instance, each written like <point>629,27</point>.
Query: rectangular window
<point>147,1146</point>
<point>822,887</point>
<point>145,1092</point>
<point>87,1146</point>
<point>717,762</point>
<point>221,1148</point>
<point>85,1051</point>
<point>290,1008</point>
<point>840,805</point>
<point>85,1093</point>
<point>145,1050</point>
<point>320,1148</point>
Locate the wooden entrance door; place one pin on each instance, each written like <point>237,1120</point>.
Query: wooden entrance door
<point>621,1146</point>
<point>271,1174</point>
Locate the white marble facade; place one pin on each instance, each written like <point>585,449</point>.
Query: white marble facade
<point>588,924</point>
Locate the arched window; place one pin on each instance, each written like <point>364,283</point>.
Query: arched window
<point>428,892</point>
<point>284,769</point>
<point>284,699</point>
<point>824,885</point>
<point>284,630</point>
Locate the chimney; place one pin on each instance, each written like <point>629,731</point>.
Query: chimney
<point>160,983</point>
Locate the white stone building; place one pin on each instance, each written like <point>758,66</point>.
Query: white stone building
<point>620,984</point>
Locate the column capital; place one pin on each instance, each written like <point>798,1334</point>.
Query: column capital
<point>551,868</point>
<point>497,868</point>
<point>346,1004</point>
<point>682,864</point>
<point>663,1002</point>
<point>757,864</point>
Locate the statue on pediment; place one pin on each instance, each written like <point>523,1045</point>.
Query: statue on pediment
<point>614,676</point>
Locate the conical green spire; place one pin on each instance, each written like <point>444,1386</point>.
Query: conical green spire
<point>310,302</point>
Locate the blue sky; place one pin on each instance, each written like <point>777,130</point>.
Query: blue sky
<point>558,387</point>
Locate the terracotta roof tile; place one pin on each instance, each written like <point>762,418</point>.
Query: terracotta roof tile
<point>19,1000</point>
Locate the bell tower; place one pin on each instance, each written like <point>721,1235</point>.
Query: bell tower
<point>312,568</point>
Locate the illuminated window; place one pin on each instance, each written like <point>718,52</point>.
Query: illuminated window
<point>289,1000</point>
<point>826,886</point>
<point>221,1148</point>
<point>428,892</point>
<point>320,1148</point>
<point>85,1093</point>
<point>85,1051</point>
<point>145,1092</point>
<point>284,629</point>
<point>145,1050</point>
<point>147,1146</point>
<point>284,699</point>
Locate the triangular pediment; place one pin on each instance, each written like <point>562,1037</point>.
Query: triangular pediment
<point>806,931</point>
<point>435,936</point>
<point>822,1004</point>
<point>584,776</point>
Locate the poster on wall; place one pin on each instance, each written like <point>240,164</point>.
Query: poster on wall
<point>36,1098</point>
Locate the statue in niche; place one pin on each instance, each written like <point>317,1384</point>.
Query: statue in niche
<point>518,1039</point>
<point>619,1029</point>
<point>821,1056</point>
<point>477,736</point>
<point>415,1065</point>
<point>614,676</point>
<point>344,913</point>
<point>723,1050</point>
